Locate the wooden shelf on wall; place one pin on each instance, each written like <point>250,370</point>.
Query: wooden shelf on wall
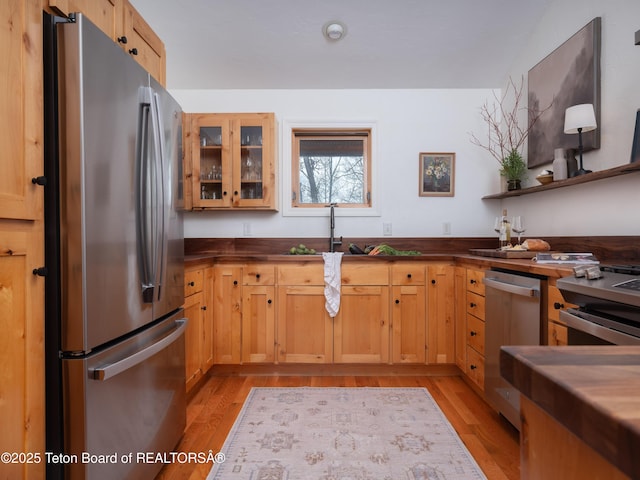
<point>589,177</point>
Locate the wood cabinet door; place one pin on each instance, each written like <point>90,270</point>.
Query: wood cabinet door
<point>253,146</point>
<point>209,156</point>
<point>440,313</point>
<point>207,319</point>
<point>258,324</point>
<point>143,44</point>
<point>193,338</point>
<point>227,314</point>
<point>22,380</point>
<point>408,319</point>
<point>21,104</point>
<point>305,329</point>
<point>361,328</point>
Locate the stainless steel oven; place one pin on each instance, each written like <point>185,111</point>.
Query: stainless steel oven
<point>608,310</point>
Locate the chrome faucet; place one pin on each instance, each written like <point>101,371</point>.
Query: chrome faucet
<point>332,241</point>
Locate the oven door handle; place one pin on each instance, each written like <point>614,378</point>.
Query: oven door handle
<point>511,288</point>
<point>613,336</point>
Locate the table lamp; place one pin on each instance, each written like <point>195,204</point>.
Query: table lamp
<point>578,119</point>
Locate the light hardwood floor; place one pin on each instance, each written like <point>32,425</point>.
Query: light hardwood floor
<point>213,408</point>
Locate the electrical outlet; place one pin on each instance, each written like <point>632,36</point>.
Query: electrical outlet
<point>386,229</point>
<point>246,229</point>
<point>446,228</point>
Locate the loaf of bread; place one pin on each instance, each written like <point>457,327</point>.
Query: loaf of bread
<point>536,245</point>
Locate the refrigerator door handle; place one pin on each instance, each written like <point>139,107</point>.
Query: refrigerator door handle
<point>146,222</point>
<point>109,371</point>
<point>160,194</point>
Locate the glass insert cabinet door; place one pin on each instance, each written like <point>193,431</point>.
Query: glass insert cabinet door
<point>233,156</point>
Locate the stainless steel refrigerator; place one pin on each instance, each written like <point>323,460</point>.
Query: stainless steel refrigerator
<point>115,364</point>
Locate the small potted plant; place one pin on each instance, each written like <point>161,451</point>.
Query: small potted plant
<point>506,136</point>
<point>513,169</point>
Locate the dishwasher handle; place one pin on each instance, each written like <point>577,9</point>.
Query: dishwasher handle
<point>511,288</point>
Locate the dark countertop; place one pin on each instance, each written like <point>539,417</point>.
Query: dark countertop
<point>594,391</point>
<point>521,265</point>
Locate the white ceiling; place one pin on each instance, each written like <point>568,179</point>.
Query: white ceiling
<point>266,44</point>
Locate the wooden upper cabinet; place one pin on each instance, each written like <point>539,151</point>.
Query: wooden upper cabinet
<point>105,14</point>
<point>21,133</point>
<point>230,161</point>
<point>143,43</point>
<point>122,22</point>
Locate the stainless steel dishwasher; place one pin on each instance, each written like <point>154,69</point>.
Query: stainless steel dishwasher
<point>512,317</point>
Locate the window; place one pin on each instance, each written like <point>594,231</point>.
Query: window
<point>331,166</point>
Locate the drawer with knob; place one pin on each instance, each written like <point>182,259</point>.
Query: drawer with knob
<point>475,281</point>
<point>193,281</point>
<point>475,305</point>
<point>475,367</point>
<point>408,274</point>
<point>475,334</point>
<point>259,274</point>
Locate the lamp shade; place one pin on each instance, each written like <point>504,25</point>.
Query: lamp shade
<point>580,116</point>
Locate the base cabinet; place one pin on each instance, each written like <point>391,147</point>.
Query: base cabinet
<point>227,314</point>
<point>361,328</point>
<point>440,314</point>
<point>408,313</point>
<point>305,329</point>
<point>199,333</point>
<point>389,313</point>
<point>258,324</point>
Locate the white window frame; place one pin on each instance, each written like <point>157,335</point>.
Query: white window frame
<point>288,127</point>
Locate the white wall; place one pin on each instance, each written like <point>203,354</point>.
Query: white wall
<point>606,207</point>
<point>407,122</point>
<point>413,121</point>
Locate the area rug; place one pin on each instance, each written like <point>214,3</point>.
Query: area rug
<point>366,433</point>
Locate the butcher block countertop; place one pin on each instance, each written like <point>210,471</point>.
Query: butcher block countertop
<point>594,391</point>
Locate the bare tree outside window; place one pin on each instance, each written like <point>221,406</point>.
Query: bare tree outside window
<point>331,169</point>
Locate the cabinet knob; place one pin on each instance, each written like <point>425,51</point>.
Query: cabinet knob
<point>235,192</point>
<point>123,40</point>
<point>472,281</point>
<point>472,333</point>
<point>42,181</point>
<point>472,367</point>
<point>133,51</point>
<point>224,193</point>
<point>408,275</point>
<point>433,282</point>
<point>192,284</point>
<point>235,282</point>
<point>257,276</point>
<point>269,301</point>
<point>397,301</point>
<point>41,271</point>
<point>472,305</point>
<point>204,307</point>
<point>558,305</point>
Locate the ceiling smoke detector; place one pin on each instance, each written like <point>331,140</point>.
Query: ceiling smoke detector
<point>334,31</point>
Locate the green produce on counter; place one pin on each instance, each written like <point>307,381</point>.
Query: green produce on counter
<point>301,250</point>
<point>387,250</point>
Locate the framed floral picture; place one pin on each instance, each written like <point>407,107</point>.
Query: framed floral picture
<point>437,174</point>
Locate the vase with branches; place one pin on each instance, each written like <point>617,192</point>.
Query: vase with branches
<point>506,136</point>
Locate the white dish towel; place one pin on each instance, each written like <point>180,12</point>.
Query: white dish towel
<point>332,281</point>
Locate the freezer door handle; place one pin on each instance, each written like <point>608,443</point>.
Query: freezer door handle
<point>109,371</point>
